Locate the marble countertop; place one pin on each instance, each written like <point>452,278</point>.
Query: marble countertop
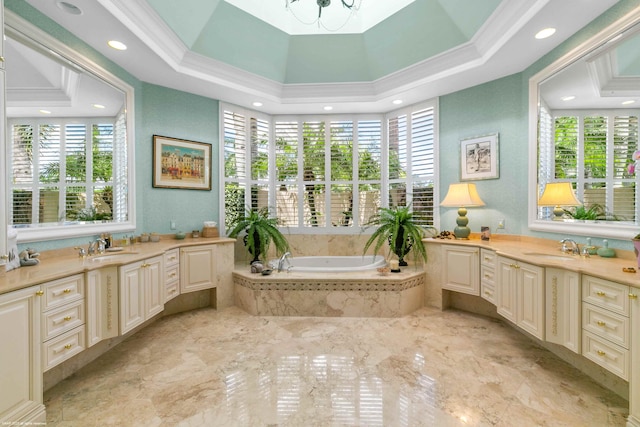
<point>65,262</point>
<point>547,253</point>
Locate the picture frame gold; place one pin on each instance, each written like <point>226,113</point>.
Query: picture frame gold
<point>181,164</point>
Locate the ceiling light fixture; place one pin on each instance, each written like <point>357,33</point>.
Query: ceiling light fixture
<point>568,98</point>
<point>69,8</point>
<point>350,6</point>
<point>257,104</point>
<point>44,111</point>
<point>99,106</point>
<point>629,102</point>
<point>547,32</point>
<point>328,108</point>
<point>397,101</point>
<point>117,45</point>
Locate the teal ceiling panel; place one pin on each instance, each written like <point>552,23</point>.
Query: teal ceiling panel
<point>326,59</point>
<point>469,15</point>
<point>628,57</point>
<point>243,41</point>
<point>186,18</point>
<point>417,32</point>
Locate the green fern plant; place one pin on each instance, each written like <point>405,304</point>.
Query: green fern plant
<point>397,227</point>
<point>261,230</point>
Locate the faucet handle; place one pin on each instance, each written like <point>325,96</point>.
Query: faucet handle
<point>81,251</point>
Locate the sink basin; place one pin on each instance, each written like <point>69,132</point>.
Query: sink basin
<point>111,257</point>
<point>553,257</point>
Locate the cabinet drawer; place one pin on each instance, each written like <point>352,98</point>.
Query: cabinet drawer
<point>172,290</point>
<point>62,319</point>
<point>171,274</point>
<point>171,257</point>
<point>63,347</point>
<point>487,274</point>
<point>604,293</point>
<point>487,257</point>
<point>488,291</point>
<point>62,291</point>
<point>606,324</point>
<point>610,356</point>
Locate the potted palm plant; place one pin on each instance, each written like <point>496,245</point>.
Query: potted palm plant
<point>261,230</point>
<point>397,227</point>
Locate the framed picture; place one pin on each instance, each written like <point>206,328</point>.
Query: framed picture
<point>479,158</point>
<point>178,163</point>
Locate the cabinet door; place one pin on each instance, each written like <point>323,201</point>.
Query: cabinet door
<point>562,308</point>
<point>634,372</point>
<point>531,301</point>
<point>506,289</point>
<point>154,287</point>
<point>20,363</point>
<point>461,270</point>
<point>132,305</point>
<point>102,305</point>
<point>197,268</point>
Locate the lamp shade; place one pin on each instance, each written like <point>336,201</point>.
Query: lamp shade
<point>462,194</point>
<point>558,194</point>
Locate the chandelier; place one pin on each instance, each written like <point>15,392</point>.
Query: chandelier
<point>352,7</point>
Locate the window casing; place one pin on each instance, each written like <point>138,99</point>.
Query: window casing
<point>328,173</point>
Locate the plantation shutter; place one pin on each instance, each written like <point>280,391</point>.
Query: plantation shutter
<point>397,160</point>
<point>259,163</point>
<point>313,173</point>
<point>120,168</point>
<point>235,165</point>
<point>341,152</point>
<point>422,165</point>
<point>286,153</point>
<point>369,168</point>
<point>23,152</point>
<point>625,143</point>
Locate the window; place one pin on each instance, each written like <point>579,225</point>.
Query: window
<point>328,173</point>
<point>592,151</point>
<point>67,170</point>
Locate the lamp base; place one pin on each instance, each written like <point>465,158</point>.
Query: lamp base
<point>462,232</point>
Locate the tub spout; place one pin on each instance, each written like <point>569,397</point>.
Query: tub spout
<point>282,259</point>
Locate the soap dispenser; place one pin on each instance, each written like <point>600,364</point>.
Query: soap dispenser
<point>605,251</point>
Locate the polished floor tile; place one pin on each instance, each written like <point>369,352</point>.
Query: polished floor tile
<point>432,368</point>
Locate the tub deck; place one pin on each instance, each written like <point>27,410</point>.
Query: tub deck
<point>358,294</point>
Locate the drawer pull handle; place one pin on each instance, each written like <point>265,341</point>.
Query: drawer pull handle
<point>487,275</point>
<point>601,294</point>
<point>633,296</point>
<point>67,318</point>
<point>40,293</point>
<point>66,291</point>
<point>601,353</point>
<point>601,323</point>
<point>68,346</point>
<point>172,275</point>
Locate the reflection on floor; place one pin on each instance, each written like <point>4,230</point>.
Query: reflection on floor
<point>432,368</point>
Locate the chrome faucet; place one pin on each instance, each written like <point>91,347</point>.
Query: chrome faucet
<point>81,251</point>
<point>574,246</point>
<point>91,249</point>
<point>282,259</point>
<point>102,244</point>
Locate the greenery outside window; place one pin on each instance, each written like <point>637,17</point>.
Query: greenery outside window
<point>328,173</point>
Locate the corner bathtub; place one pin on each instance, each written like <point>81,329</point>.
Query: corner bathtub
<point>328,286</point>
<point>334,264</point>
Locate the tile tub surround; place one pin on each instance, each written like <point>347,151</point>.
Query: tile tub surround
<point>362,294</point>
<point>431,368</point>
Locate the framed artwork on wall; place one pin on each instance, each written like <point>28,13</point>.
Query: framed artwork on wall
<point>179,163</point>
<point>479,158</point>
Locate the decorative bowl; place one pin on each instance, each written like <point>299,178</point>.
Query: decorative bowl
<point>383,271</point>
<point>180,235</point>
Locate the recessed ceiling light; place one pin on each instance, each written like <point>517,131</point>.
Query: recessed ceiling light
<point>629,102</point>
<point>45,111</point>
<point>328,108</point>
<point>117,45</point>
<point>397,101</point>
<point>568,98</point>
<point>257,104</point>
<point>98,106</point>
<point>69,8</point>
<point>547,32</point>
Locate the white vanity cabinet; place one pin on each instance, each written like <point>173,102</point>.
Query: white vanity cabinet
<point>141,292</point>
<point>63,320</point>
<point>563,316</point>
<point>520,295</point>
<point>461,268</point>
<point>20,361</point>
<point>198,266</point>
<point>102,304</point>
<point>171,274</point>
<point>606,324</point>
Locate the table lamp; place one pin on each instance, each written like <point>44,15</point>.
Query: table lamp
<point>462,195</point>
<point>558,194</point>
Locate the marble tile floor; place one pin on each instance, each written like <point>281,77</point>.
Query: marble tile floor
<point>431,368</point>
